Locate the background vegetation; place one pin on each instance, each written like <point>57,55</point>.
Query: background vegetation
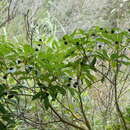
<point>64,65</point>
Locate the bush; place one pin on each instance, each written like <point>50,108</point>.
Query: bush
<point>50,83</point>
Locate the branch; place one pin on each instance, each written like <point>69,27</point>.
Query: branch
<point>81,104</point>
<point>64,121</point>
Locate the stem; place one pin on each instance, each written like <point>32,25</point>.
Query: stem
<point>81,103</point>
<point>64,121</point>
<point>116,98</point>
<point>82,110</point>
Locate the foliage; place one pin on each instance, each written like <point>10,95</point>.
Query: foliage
<point>49,83</point>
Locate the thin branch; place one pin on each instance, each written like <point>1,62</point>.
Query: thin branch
<point>64,121</point>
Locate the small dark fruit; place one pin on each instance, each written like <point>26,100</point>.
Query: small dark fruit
<point>70,78</point>
<point>93,34</point>
<point>5,77</point>
<point>39,44</point>
<point>36,49</point>
<point>106,31</point>
<point>68,85</point>
<point>65,42</point>
<point>19,61</point>
<point>99,46</point>
<point>116,42</point>
<point>81,63</point>
<point>30,68</point>
<point>76,83</point>
<point>63,38</point>
<point>47,94</point>
<point>11,68</point>
<point>44,87</point>
<point>5,93</point>
<point>112,31</point>
<point>74,86</point>
<point>10,96</point>
<point>40,40</point>
<point>39,84</point>
<point>77,43</point>
<point>101,28</point>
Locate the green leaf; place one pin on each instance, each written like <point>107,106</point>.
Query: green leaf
<point>102,55</point>
<point>2,109</point>
<point>38,95</point>
<point>72,91</point>
<point>53,93</point>
<point>103,40</point>
<point>93,62</point>
<point>46,103</point>
<point>28,50</point>
<point>113,64</point>
<point>7,117</point>
<point>90,76</point>
<point>88,82</point>
<point>2,89</point>
<point>2,126</point>
<point>128,110</point>
<point>105,54</point>
<point>127,118</point>
<point>5,49</point>
<point>62,90</point>
<point>107,36</point>
<point>114,56</point>
<point>125,63</point>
